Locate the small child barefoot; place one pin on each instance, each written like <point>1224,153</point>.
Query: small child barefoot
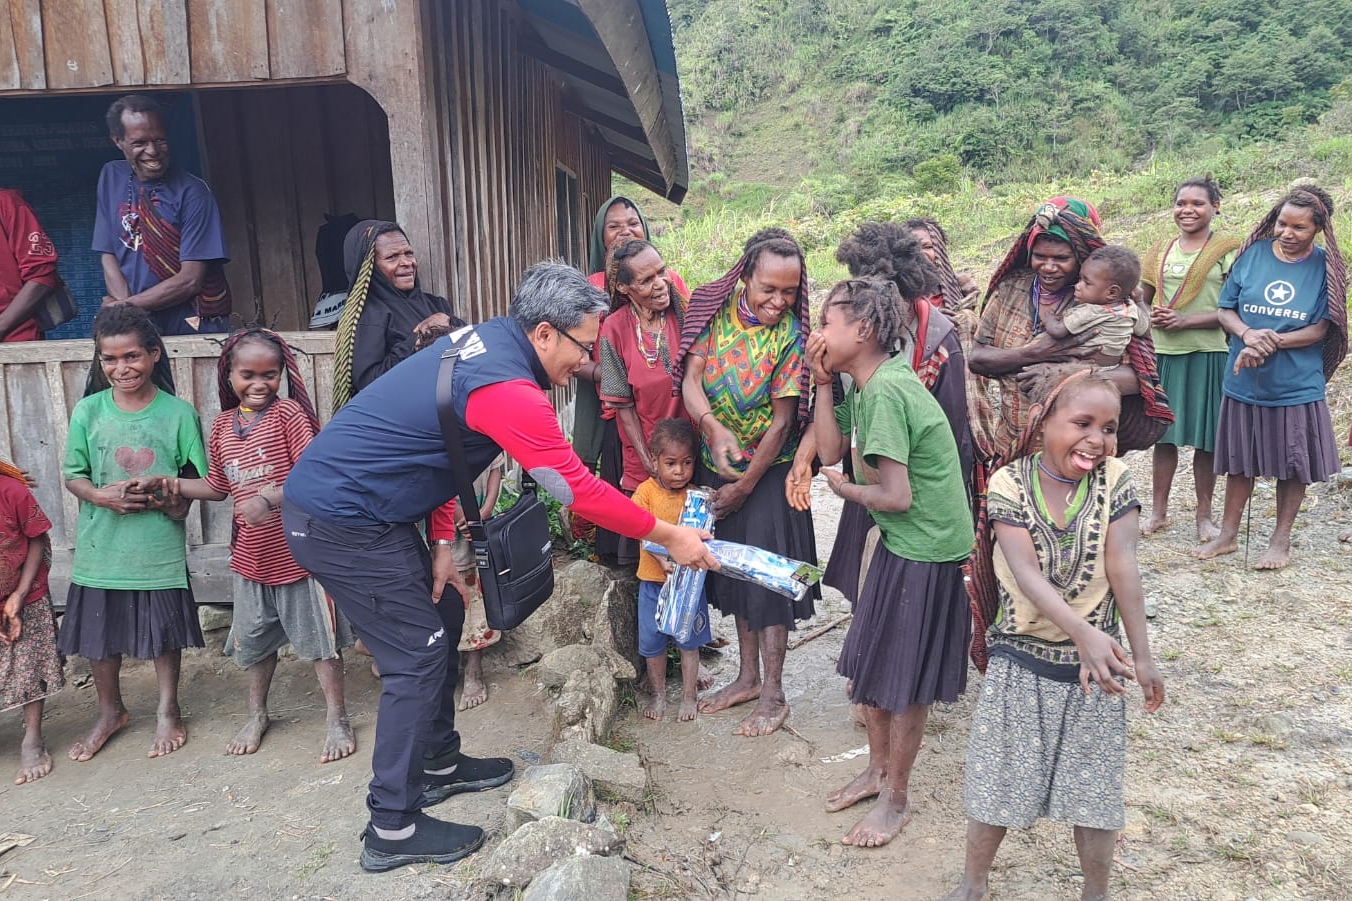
<point>688,711</point>
<point>657,707</point>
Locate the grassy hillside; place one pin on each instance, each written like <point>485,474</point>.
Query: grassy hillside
<point>703,237</point>
<point>870,96</point>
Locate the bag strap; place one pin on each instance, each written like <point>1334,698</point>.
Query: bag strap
<point>455,448</point>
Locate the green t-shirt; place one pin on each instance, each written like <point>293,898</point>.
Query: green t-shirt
<point>1191,340</point>
<point>140,551</point>
<point>895,417</point>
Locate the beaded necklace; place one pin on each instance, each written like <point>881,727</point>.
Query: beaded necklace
<point>651,357</point>
<point>1073,483</point>
<point>1056,302</point>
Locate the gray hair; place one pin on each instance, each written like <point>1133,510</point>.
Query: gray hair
<point>554,292</point>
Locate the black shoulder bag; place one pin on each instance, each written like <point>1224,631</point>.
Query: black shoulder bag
<point>512,550</point>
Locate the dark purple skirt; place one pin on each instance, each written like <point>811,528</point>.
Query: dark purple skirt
<point>1276,442</point>
<point>613,547</point>
<point>847,553</point>
<point>766,521</point>
<point>908,640</point>
<point>105,622</point>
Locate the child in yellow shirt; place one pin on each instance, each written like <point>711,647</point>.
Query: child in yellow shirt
<point>673,446</point>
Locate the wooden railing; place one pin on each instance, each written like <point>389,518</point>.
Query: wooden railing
<point>40,383</point>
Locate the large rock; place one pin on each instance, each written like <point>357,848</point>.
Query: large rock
<point>586,706</point>
<point>562,620</point>
<point>539,845</point>
<point>614,774</point>
<point>555,667</point>
<point>551,790</point>
<point>592,878</point>
<point>614,629</point>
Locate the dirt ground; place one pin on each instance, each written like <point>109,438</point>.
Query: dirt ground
<point>1237,789</point>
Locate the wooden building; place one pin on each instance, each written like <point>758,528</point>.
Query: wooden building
<point>488,128</point>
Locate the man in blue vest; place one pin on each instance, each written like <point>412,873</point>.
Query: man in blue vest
<point>351,508</point>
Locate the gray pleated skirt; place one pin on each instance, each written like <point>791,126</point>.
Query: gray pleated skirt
<point>1276,442</point>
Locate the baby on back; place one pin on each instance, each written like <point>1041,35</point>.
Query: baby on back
<point>1103,305</point>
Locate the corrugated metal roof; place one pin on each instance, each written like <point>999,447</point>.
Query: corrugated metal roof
<point>652,152</point>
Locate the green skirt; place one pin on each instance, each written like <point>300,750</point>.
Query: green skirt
<point>1193,385</point>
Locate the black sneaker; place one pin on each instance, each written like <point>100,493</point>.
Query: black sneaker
<point>432,841</point>
<point>472,774</point>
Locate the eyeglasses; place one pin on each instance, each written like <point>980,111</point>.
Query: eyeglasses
<point>587,349</point>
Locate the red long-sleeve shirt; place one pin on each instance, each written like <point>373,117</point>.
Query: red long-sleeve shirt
<point>518,417</point>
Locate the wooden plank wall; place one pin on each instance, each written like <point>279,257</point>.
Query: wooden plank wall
<point>509,132</point>
<point>84,44</point>
<point>280,159</point>
<point>40,383</point>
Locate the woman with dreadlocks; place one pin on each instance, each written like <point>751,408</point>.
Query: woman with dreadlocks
<point>740,367</point>
<point>1049,732</point>
<point>386,308</point>
<point>907,645</point>
<point>1036,280</point>
<point>1285,310</point>
<point>254,442</point>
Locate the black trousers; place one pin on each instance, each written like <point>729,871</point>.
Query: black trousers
<point>380,577</point>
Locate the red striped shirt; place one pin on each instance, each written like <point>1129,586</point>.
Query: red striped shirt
<point>245,464</point>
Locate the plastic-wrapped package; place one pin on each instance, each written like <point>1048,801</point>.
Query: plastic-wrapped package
<point>680,597</point>
<point>678,604</point>
<point>789,577</point>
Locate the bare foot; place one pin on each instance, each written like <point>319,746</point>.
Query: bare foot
<point>768,716</point>
<point>657,707</point>
<point>170,735</point>
<point>1345,535</point>
<point>1207,530</point>
<point>473,694</point>
<point>250,736</point>
<point>339,742</point>
<point>104,729</point>
<point>730,695</point>
<point>705,680</point>
<point>1275,557</point>
<point>1156,522</point>
<point>688,711</point>
<point>34,761</point>
<point>881,824</point>
<point>866,785</point>
<point>1216,547</point>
